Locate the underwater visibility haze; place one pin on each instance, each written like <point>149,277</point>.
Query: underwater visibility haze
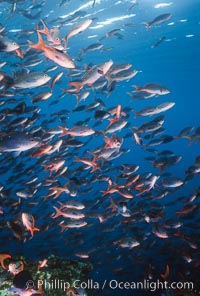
<point>99,147</point>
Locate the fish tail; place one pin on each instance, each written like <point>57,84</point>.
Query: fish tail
<point>147,24</point>
<point>77,84</point>
<point>64,131</point>
<point>77,160</point>
<point>63,227</point>
<point>58,213</point>
<point>138,88</point>
<point>61,204</point>
<point>40,45</point>
<point>190,138</point>
<point>166,274</point>
<point>104,192</point>
<point>112,205</point>
<point>135,113</point>
<point>34,229</point>
<point>8,82</point>
<point>45,30</point>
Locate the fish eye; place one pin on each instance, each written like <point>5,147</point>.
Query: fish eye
<point>14,43</point>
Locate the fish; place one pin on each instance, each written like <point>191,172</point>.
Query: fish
<point>158,20</point>
<point>60,58</point>
<point>73,224</point>
<point>149,111</point>
<point>41,97</point>
<point>159,231</point>
<point>42,264</point>
<point>160,40</point>
<point>186,210</point>
<point>152,88</point>
<point>29,223</point>
<point>115,126</point>
<point>77,131</point>
<point>92,75</point>
<point>73,214</point>
<point>30,80</point>
<point>127,242</point>
<point>7,45</point>
<point>89,48</point>
<point>172,182</point>
<point>16,267</point>
<point>79,28</point>
<point>72,204</point>
<point>52,34</point>
<point>90,163</point>
<point>55,79</point>
<point>120,208</point>
<point>122,75</point>
<point>17,142</point>
<point>23,292</point>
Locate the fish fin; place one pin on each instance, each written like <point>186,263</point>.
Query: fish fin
<point>77,84</point>
<point>110,80</point>
<point>107,141</point>
<point>40,45</point>
<point>65,39</point>
<point>112,120</point>
<point>16,153</point>
<point>19,53</point>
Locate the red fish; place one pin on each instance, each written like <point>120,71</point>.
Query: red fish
<point>3,257</point>
<point>29,223</point>
<point>60,58</point>
<point>52,34</point>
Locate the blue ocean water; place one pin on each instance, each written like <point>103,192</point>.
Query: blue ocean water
<point>165,55</point>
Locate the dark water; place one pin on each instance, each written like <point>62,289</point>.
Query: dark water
<point>28,185</point>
